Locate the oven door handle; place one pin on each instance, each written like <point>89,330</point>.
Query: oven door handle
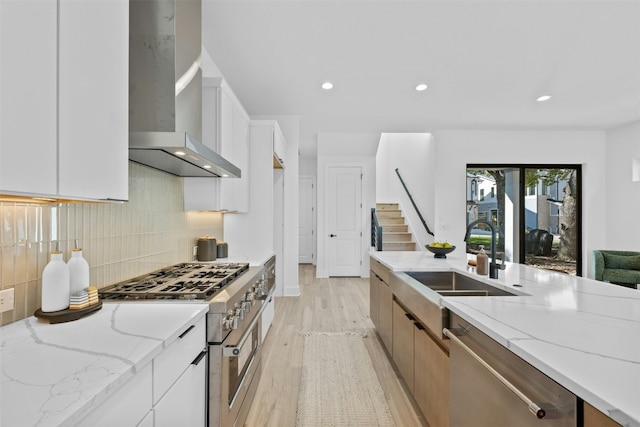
<point>234,350</point>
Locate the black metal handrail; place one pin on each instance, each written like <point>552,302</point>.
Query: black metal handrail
<point>376,231</point>
<point>424,223</point>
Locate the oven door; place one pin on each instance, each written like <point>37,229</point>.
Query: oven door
<point>239,366</point>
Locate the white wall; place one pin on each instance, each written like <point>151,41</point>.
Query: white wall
<point>308,166</point>
<point>354,149</point>
<point>414,155</point>
<point>622,195</point>
<point>454,149</point>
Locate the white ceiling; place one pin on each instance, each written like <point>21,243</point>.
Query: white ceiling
<point>485,63</point>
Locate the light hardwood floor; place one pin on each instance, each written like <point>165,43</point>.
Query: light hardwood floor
<point>329,305</point>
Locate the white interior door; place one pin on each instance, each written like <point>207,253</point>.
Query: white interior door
<point>344,239</point>
<point>305,221</point>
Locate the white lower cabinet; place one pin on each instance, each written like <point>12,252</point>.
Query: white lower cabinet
<point>267,316</point>
<point>184,403</point>
<point>127,407</point>
<point>168,391</point>
<point>179,380</point>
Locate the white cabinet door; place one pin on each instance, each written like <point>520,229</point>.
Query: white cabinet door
<point>225,129</point>
<point>184,403</point>
<point>93,98</point>
<point>64,103</point>
<point>172,362</point>
<point>28,75</point>
<point>128,406</point>
<point>234,192</point>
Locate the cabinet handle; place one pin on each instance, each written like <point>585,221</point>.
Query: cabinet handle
<point>419,326</point>
<point>533,407</point>
<point>410,317</point>
<point>199,357</point>
<point>187,331</point>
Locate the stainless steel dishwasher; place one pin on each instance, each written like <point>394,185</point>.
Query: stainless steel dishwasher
<point>491,386</point>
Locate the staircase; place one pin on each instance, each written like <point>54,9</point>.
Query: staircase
<point>395,234</point>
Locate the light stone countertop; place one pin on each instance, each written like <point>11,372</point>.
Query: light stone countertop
<point>582,333</point>
<point>54,375</point>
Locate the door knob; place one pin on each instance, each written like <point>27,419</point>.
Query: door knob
<point>333,235</point>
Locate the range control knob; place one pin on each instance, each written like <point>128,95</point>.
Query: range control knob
<point>247,306</point>
<point>239,310</point>
<point>230,321</point>
<point>250,296</point>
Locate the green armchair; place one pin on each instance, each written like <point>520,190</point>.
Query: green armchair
<point>617,267</point>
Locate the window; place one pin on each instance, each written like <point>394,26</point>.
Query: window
<point>542,231</point>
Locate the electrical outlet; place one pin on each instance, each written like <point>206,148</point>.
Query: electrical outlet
<point>6,300</point>
<point>195,250</point>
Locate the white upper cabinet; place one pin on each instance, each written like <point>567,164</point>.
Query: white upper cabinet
<point>28,78</point>
<point>64,84</point>
<point>94,99</point>
<point>225,129</point>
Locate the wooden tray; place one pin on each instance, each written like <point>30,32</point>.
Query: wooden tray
<point>67,315</point>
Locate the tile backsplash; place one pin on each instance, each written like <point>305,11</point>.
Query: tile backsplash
<point>119,241</point>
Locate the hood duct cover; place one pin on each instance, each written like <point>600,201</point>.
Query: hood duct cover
<point>165,90</point>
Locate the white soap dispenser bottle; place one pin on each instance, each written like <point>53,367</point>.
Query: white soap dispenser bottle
<point>55,284</point>
<point>78,271</point>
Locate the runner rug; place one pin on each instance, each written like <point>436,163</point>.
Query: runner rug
<point>339,386</point>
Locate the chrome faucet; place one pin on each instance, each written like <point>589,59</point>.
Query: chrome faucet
<point>493,265</point>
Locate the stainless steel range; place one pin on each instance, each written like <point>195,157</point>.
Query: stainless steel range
<point>236,294</point>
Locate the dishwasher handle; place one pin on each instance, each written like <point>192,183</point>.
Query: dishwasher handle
<point>534,408</point>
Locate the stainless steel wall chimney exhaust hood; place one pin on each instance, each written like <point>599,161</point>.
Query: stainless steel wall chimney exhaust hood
<point>165,90</point>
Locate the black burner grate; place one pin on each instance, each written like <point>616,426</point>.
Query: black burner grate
<point>196,281</point>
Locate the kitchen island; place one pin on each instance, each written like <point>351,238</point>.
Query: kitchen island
<point>583,334</point>
<point>57,374</point>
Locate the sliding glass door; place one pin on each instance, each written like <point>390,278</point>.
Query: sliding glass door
<point>535,210</point>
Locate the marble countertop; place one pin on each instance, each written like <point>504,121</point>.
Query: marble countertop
<point>54,375</point>
<point>582,333</point>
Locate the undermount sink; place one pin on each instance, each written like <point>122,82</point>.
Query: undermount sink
<point>449,283</point>
<point>429,310</point>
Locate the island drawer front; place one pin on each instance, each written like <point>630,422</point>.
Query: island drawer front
<point>433,316</point>
<point>176,358</point>
<point>380,270</point>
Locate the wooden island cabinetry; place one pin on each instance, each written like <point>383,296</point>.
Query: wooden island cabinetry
<point>423,362</point>
<point>419,355</point>
<point>594,418</point>
<point>381,308</point>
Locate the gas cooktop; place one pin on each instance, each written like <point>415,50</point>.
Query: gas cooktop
<point>188,281</point>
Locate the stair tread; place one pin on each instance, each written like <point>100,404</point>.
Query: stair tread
<point>395,228</point>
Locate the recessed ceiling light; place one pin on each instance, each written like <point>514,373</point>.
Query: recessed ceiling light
<point>420,87</point>
<point>224,175</point>
<point>543,98</point>
<point>179,153</point>
<point>327,85</point>
<point>207,166</point>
